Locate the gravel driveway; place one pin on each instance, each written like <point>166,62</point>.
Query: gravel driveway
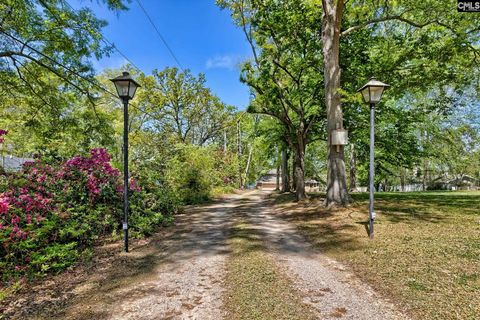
<point>325,284</point>
<point>180,273</point>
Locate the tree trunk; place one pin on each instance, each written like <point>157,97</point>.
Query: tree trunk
<point>285,173</point>
<point>353,168</point>
<point>300,169</point>
<point>337,193</point>
<point>225,141</point>
<point>278,178</point>
<point>402,179</point>
<point>427,179</point>
<point>239,153</point>
<point>247,168</point>
<point>293,179</point>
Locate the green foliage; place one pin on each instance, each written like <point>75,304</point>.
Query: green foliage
<point>182,108</point>
<point>51,215</point>
<point>51,28</point>
<point>151,208</point>
<point>194,171</point>
<point>55,257</point>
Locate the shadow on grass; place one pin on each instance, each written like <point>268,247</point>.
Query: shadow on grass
<point>469,203</point>
<point>326,229</point>
<point>339,230</point>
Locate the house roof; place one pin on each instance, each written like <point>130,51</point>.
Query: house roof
<point>13,163</point>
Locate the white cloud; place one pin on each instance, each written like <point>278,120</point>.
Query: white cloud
<point>225,62</point>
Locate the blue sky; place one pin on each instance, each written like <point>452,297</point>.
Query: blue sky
<point>203,38</point>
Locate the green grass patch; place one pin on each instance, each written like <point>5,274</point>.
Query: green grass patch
<point>256,289</point>
<point>426,251</point>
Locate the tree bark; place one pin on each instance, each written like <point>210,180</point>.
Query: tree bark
<point>402,179</point>
<point>337,193</point>
<point>278,178</point>
<point>293,180</point>
<point>426,175</point>
<point>285,173</point>
<point>239,152</point>
<point>247,168</point>
<point>224,140</point>
<point>300,169</point>
<point>353,168</point>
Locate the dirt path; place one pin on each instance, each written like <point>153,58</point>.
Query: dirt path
<point>186,283</point>
<point>180,273</point>
<point>325,284</point>
<point>177,274</point>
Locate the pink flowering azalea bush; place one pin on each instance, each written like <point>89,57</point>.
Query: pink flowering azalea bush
<point>50,214</point>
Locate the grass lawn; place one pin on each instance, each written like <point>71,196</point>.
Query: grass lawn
<point>425,255</point>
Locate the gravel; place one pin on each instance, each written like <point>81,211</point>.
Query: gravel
<point>190,284</point>
<point>326,285</point>
<point>180,273</point>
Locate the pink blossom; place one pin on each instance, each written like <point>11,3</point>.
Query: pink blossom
<point>3,206</point>
<point>134,186</point>
<point>15,220</point>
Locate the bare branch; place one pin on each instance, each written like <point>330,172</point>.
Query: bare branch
<point>248,33</point>
<point>390,18</point>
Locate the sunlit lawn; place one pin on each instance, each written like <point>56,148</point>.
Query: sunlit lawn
<point>426,251</point>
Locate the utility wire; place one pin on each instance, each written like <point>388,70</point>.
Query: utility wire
<point>118,50</point>
<point>73,72</point>
<point>107,41</point>
<point>159,34</point>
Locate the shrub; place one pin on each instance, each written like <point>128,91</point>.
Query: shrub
<point>191,173</point>
<point>51,213</point>
<point>194,172</point>
<point>151,208</point>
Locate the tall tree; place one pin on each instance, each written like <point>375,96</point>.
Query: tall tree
<point>405,20</point>
<point>50,34</point>
<point>284,71</point>
<point>183,105</point>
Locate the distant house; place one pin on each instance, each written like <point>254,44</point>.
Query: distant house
<point>12,163</point>
<point>312,185</point>
<point>268,180</point>
<point>462,183</point>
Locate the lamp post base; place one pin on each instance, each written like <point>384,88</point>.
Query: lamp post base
<point>126,240</point>
<point>372,221</point>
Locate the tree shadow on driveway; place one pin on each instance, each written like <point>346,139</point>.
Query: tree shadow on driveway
<point>97,289</point>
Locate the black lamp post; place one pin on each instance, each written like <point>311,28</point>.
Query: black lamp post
<point>372,94</point>
<point>126,88</point>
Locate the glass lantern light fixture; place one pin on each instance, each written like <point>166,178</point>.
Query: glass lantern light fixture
<point>126,86</point>
<point>372,91</point>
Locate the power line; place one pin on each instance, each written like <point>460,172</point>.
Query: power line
<point>120,52</point>
<point>107,41</point>
<point>159,34</point>
<point>75,73</point>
